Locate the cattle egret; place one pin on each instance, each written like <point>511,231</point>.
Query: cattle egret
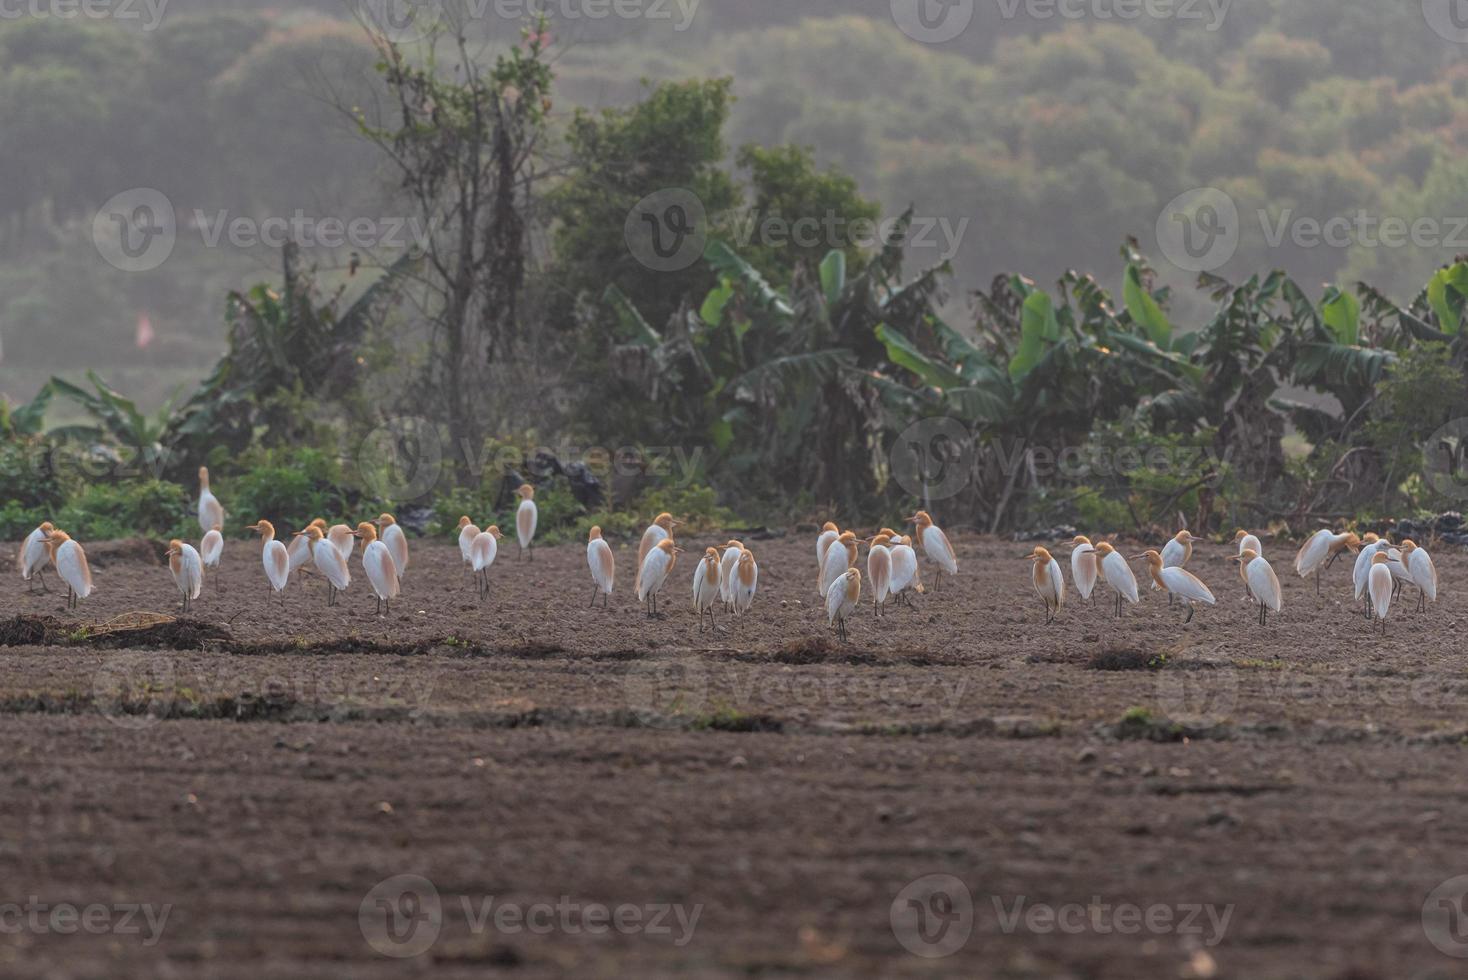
<point>31,561</point>
<point>1401,576</point>
<point>706,586</point>
<point>603,566</point>
<point>1175,554</point>
<point>1424,573</point>
<point>839,557</point>
<point>829,535</point>
<point>746,579</point>
<point>1380,587</point>
<point>299,549</point>
<point>1118,575</point>
<point>1083,566</point>
<point>71,564</point>
<point>526,517</point>
<point>1177,581</point>
<point>1049,585</point>
<point>274,557</point>
<point>395,540</point>
<point>906,578</point>
<point>842,599</point>
<point>1321,551</point>
<point>188,571</point>
<point>659,530</point>
<point>467,533</point>
<point>483,550</point>
<point>1263,583</point>
<point>655,570</point>
<point>378,563</point>
<point>727,563</point>
<point>879,570</point>
<point>935,545</point>
<point>329,561</point>
<point>1248,542</point>
<point>343,537</point>
<point>1361,573</point>
<point>211,511</point>
<point>211,549</point>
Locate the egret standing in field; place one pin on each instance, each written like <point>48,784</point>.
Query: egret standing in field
<point>377,562</point>
<point>329,561</point>
<point>935,545</point>
<point>1380,588</point>
<point>1049,586</point>
<point>727,563</point>
<point>1263,583</point>
<point>1083,566</point>
<point>299,550</point>
<point>467,533</point>
<point>526,517</point>
<point>211,550</point>
<point>706,586</point>
<point>661,529</point>
<point>275,558</point>
<point>343,538</point>
<point>1175,554</point>
<point>603,565</point>
<point>1118,575</point>
<point>211,511</point>
<point>33,556</point>
<point>842,599</point>
<point>483,550</point>
<point>905,576</point>
<point>188,571</point>
<point>1361,573</point>
<point>1424,573</point>
<point>879,570</point>
<point>1177,581</point>
<point>396,542</point>
<point>1321,551</point>
<point>71,564</point>
<point>655,571</point>
<point>828,536</point>
<point>746,579</point>
<point>839,557</point>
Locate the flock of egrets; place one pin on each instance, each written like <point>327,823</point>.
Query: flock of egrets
<point>730,575</point>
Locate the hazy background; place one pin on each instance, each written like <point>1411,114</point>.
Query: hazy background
<point>1053,137</point>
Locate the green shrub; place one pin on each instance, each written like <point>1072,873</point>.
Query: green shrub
<point>17,520</point>
<point>290,488</point>
<point>107,511</point>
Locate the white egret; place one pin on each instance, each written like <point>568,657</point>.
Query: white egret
<point>1177,581</point>
<point>188,571</point>
<point>1118,575</point>
<point>654,573</point>
<point>381,569</point>
<point>603,566</point>
<point>33,556</point>
<point>1049,584</point>
<point>526,517</point>
<point>1263,583</point>
<point>935,545</point>
<point>1321,550</point>
<point>842,599</point>
<point>706,586</point>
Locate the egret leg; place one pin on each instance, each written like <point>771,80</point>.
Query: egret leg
<point>594,591</point>
<point>1191,610</point>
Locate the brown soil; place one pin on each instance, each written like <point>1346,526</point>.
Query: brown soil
<point>261,768</point>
